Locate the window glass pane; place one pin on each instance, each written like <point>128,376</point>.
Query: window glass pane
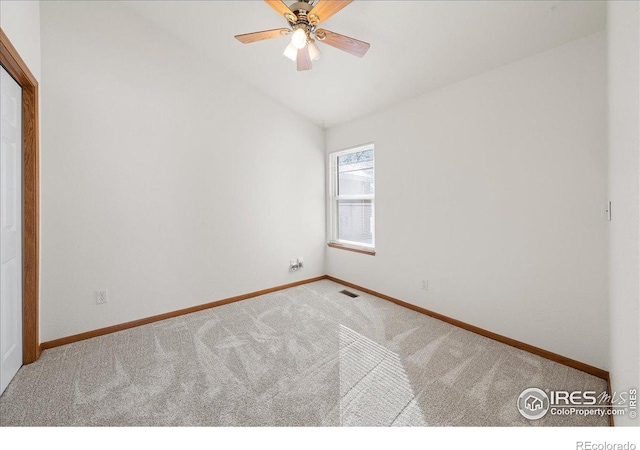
<point>355,173</point>
<point>355,221</point>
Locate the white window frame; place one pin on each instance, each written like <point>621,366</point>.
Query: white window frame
<point>332,226</point>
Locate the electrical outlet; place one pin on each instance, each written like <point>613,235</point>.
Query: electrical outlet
<point>425,285</point>
<point>101,297</point>
<point>296,264</point>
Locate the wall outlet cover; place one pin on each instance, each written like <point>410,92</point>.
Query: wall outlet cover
<point>101,297</point>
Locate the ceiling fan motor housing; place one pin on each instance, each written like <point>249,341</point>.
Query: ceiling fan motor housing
<point>301,10</point>
<point>306,5</point>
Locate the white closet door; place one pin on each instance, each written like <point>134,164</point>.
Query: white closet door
<point>10,230</point>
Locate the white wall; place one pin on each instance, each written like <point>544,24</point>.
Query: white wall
<point>492,189</point>
<point>624,189</point>
<point>20,20</point>
<point>165,180</point>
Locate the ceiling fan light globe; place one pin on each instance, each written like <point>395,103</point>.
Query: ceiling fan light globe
<point>291,52</point>
<point>314,51</point>
<point>299,38</point>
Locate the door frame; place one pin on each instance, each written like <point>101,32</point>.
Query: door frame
<point>16,67</point>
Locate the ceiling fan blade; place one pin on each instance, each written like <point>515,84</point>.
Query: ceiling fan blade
<point>344,43</point>
<point>262,35</point>
<point>325,9</point>
<point>303,59</point>
<point>282,9</point>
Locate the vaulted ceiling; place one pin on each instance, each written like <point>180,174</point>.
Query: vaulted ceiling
<point>416,46</point>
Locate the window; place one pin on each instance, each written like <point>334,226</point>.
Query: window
<point>352,199</point>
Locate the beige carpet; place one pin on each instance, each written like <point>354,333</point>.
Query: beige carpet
<point>304,356</point>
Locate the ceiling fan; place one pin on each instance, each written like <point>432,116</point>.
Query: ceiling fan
<point>303,18</point>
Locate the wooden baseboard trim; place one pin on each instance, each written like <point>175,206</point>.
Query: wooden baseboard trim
<point>600,373</point>
<point>169,315</point>
<point>595,371</point>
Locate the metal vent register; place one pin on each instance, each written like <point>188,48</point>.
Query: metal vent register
<point>349,294</point>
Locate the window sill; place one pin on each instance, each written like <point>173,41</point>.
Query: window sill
<point>366,251</point>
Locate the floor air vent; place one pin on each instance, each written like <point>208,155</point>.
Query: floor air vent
<point>349,294</point>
